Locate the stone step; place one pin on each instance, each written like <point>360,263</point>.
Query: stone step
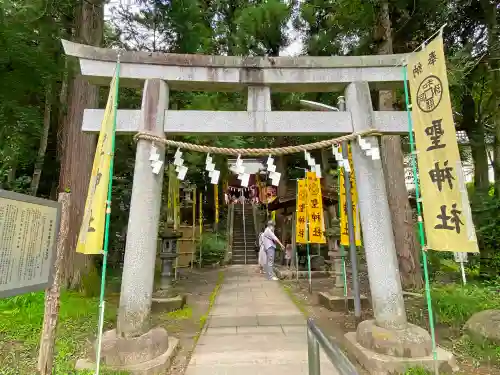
<point>250,254</point>
<point>249,261</point>
<point>242,251</point>
<point>249,251</point>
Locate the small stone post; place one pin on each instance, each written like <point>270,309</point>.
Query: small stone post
<point>383,273</point>
<point>142,236</point>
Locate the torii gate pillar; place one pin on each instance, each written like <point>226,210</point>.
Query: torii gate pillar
<point>385,284</point>
<point>388,344</point>
<point>134,345</point>
<point>142,235</point>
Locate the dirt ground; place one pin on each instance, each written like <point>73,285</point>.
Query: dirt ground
<point>336,324</point>
<point>200,287</point>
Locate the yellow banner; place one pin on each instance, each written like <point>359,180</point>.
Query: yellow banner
<point>344,227</point>
<point>301,214</point>
<point>91,237</point>
<point>447,215</point>
<point>316,222</point>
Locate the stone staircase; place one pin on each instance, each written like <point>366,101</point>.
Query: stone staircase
<point>238,256</point>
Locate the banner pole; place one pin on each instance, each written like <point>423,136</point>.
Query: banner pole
<point>193,250</point>
<point>108,218</point>
<point>307,237</point>
<point>342,250</point>
<point>200,219</point>
<point>176,223</point>
<point>295,223</point>
<point>420,219</point>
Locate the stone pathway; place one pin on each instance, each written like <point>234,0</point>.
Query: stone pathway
<point>253,329</point>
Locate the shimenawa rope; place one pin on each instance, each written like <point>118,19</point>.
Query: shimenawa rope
<point>254,151</point>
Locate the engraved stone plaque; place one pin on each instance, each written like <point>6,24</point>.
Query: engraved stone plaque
<point>28,233</point>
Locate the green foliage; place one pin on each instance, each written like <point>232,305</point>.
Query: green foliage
<point>487,221</point>
<point>214,247</point>
<point>261,28</point>
<point>481,352</point>
<point>454,304</point>
<point>30,60</point>
<point>91,283</point>
<point>211,303</point>
<point>417,371</point>
<point>21,323</point>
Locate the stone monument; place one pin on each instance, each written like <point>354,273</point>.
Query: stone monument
<point>386,342</point>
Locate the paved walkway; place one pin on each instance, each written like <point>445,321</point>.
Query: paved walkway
<point>253,329</point>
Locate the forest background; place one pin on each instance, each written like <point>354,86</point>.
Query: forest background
<point>42,96</point>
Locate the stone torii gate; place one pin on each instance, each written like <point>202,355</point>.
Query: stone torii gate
<point>134,344</point>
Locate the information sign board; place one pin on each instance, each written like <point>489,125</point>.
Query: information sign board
<point>28,234</point>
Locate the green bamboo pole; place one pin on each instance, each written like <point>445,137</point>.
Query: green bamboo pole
<point>296,250</point>
<point>342,250</point>
<point>420,219</point>
<point>307,239</point>
<point>108,218</point>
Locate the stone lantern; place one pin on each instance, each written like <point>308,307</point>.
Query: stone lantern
<point>166,297</point>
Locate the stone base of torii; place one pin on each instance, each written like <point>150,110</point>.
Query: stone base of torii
<point>383,345</point>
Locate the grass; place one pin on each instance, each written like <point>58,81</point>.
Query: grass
<point>212,298</point>
<point>480,352</point>
<point>296,301</point>
<point>185,313</point>
<point>21,319</point>
<point>454,304</point>
<point>417,371</point>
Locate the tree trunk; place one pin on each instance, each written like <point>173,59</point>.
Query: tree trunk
<point>79,148</point>
<point>52,294</point>
<point>35,180</point>
<point>475,133</point>
<point>62,110</point>
<point>393,166</point>
<point>490,10</point>
<point>480,158</point>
